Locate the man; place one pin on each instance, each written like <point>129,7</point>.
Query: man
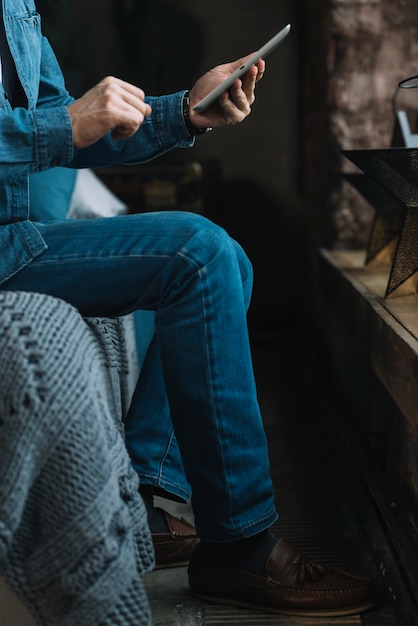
<point>194,415</point>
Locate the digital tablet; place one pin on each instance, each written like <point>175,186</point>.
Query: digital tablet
<point>261,53</point>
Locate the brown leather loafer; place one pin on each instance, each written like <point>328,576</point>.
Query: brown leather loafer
<point>293,585</point>
<point>174,548</point>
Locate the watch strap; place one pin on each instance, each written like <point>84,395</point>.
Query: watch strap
<point>192,129</point>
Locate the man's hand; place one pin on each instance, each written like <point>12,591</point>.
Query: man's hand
<point>112,105</point>
<point>235,104</point>
<point>117,106</point>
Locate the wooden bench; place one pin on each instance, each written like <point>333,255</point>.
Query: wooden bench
<point>370,348</point>
<point>386,330</point>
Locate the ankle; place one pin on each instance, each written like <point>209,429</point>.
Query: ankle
<point>249,554</point>
<point>156,518</point>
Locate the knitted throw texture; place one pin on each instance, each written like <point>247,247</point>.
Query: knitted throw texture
<point>74,538</point>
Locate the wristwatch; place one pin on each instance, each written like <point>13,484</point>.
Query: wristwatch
<point>193,130</point>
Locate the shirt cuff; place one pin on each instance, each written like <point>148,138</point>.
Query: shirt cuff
<point>54,137</point>
<point>168,120</point>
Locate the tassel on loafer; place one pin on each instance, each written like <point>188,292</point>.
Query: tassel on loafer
<point>292,585</point>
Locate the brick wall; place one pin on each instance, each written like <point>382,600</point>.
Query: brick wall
<point>356,53</point>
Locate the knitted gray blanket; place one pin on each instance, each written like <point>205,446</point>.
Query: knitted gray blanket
<point>74,538</point>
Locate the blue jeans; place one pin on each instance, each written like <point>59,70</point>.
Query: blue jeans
<point>197,379</point>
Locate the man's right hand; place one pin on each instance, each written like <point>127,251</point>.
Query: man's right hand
<point>112,105</point>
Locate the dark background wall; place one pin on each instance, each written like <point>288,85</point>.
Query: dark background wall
<point>328,87</point>
<point>163,46</point>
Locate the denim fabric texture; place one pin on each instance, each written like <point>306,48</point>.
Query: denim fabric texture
<point>197,379</point>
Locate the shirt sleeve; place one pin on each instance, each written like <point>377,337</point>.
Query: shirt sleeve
<point>162,131</point>
<point>39,136</point>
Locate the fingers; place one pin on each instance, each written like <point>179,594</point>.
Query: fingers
<point>251,78</point>
<point>261,66</point>
<point>127,102</point>
<point>237,103</point>
<point>120,93</point>
<point>112,105</point>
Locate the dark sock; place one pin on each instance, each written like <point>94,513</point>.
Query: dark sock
<point>249,554</point>
<point>156,517</point>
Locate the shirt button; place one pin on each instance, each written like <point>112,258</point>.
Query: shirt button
<point>55,162</point>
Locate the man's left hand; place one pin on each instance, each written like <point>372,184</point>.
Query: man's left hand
<point>235,104</point>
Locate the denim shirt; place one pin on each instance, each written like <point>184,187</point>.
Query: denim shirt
<point>36,134</point>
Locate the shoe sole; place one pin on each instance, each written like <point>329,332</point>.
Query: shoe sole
<point>268,609</point>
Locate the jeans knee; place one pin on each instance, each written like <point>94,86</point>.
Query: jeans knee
<point>230,251</point>
<point>209,249</point>
<point>217,242</point>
